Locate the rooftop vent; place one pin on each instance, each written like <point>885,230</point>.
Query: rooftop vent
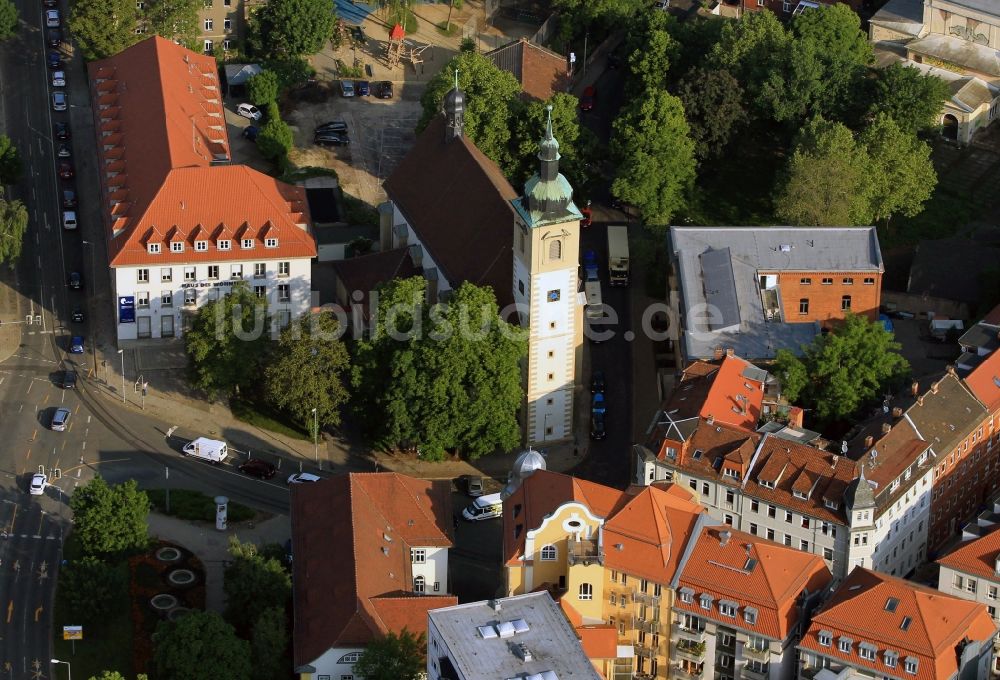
<point>387,537</point>
<point>506,629</point>
<point>785,248</point>
<point>494,605</point>
<point>619,546</point>
<point>724,537</point>
<point>522,652</point>
<point>487,632</point>
<point>520,626</point>
<point>385,551</point>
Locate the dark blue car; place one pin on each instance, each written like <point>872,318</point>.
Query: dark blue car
<point>363,88</point>
<point>76,345</point>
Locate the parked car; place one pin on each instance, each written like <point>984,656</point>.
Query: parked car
<point>598,403</point>
<point>587,99</point>
<point>597,429</point>
<point>50,3</point>
<point>52,18</point>
<point>75,280</point>
<point>58,100</point>
<point>69,380</point>
<point>302,477</point>
<point>38,483</point>
<point>69,219</point>
<point>364,88</point>
<point>473,485</point>
<point>383,89</point>
<point>68,198</point>
<point>64,151</point>
<point>250,132</point>
<point>66,170</point>
<point>54,37</point>
<point>258,468</point>
<point>338,126</point>
<point>55,60</point>
<point>58,79</point>
<point>249,111</point>
<point>60,421</point>
<point>76,316</point>
<point>61,131</point>
<point>331,139</point>
<point>597,382</point>
<point>76,344</point>
<point>346,88</point>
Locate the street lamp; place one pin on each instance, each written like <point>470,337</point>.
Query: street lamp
<point>316,437</point>
<point>90,308</point>
<point>122,353</point>
<point>69,669</point>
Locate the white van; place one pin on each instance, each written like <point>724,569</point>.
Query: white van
<point>484,507</point>
<point>69,219</point>
<point>207,449</point>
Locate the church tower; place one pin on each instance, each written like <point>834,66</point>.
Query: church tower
<point>546,285</point>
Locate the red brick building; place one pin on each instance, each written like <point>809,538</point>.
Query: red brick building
<point>826,296</point>
<point>789,8</point>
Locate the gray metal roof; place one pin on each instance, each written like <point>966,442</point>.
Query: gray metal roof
<point>550,639</point>
<point>985,6</point>
<point>981,335</point>
<point>905,16</point>
<point>720,287</point>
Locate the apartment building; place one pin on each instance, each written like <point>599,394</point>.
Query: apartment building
<point>879,626</point>
<point>223,25</point>
<point>972,571</point>
<point>758,290</point>
<point>184,224</point>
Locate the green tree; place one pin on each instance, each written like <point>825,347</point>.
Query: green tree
<point>291,72</point>
<point>442,376</point>
<point>227,340</point>
<point>394,657</point>
<point>110,519</point>
<point>713,106</point>
<point>101,28</point>
<point>115,675</point>
<point>269,644</point>
<point>489,96</point>
<point>174,20</point>
<point>253,583</point>
<point>308,370</point>
<point>577,144</point>
<point>696,37</point>
<point>13,224</point>
<point>284,29</point>
<point>844,370</point>
<point>8,19</point>
<point>825,183</point>
<point>655,153</point>
<point>900,175</point>
<point>196,642</point>
<point>652,51</point>
<point>795,86</point>
<point>275,138</point>
<point>92,588</point>
<point>912,99</point>
<point>11,167</point>
<point>750,49</point>
<point>262,89</point>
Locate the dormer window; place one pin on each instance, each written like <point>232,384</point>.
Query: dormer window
<point>200,246</point>
<point>706,601</point>
<point>867,651</point>
<point>825,638</point>
<point>177,246</point>
<point>687,595</point>
<point>271,243</point>
<point>750,615</point>
<point>225,244</point>
<point>247,244</point>
<point>891,658</point>
<point>831,505</point>
<point>766,483</point>
<point>800,495</point>
<point>910,665</point>
<point>727,608</point>
<point>731,472</point>
<point>153,248</point>
<point>844,644</point>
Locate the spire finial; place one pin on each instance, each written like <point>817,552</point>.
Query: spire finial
<point>548,122</point>
<point>456,79</point>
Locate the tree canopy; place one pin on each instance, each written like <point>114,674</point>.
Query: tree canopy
<point>253,584</point>
<point>174,20</point>
<point>749,50</point>
<point>393,657</point>
<point>263,88</point>
<point>8,19</point>
<point>226,341</point>
<point>656,166</point>
<point>652,50</point>
<point>93,588</point>
<point>308,369</point>
<point>842,371</point>
<point>442,376</point>
<point>13,225</point>
<point>713,107</point>
<point>901,175</point>
<point>911,98</point>
<point>115,675</point>
<point>489,94</point>
<point>275,139</point>
<point>284,29</point>
<point>198,641</point>
<point>11,167</point>
<point>102,28</point>
<point>269,644</point>
<point>577,144</point>
<point>110,519</point>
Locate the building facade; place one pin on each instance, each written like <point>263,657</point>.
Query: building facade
<point>223,25</point>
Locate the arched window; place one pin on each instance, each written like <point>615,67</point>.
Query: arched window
<point>555,249</point>
<point>419,584</point>
<point>949,127</point>
<point>586,591</point>
<point>350,657</point>
<point>548,553</point>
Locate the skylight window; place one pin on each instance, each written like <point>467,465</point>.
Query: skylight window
<point>698,454</point>
<point>905,623</point>
<point>891,604</point>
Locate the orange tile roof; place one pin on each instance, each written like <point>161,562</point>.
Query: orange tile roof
<point>734,398</point>
<point>600,641</point>
<point>771,584</point>
<point>977,558</point>
<point>172,162</point>
<point>984,381</point>
<point>351,536</point>
<point>938,622</point>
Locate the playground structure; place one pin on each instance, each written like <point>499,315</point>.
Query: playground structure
<point>397,49</point>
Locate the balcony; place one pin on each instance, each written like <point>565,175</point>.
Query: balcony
<point>650,627</point>
<point>689,673</point>
<point>645,651</point>
<point>754,674</point>
<point>585,552</point>
<point>644,598</point>
<point>685,649</point>
<point>757,654</point>
<point>688,633</point>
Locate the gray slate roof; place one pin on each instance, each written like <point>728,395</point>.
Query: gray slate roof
<point>957,51</point>
<point>905,16</point>
<point>550,638</point>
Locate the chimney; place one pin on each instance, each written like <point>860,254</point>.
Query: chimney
<point>719,353</point>
<point>950,369</point>
<point>886,428</point>
<point>710,420</point>
<point>897,412</point>
<point>914,388</point>
<point>494,604</point>
<point>869,440</point>
<point>934,388</point>
<point>724,537</point>
<point>795,415</point>
<point>523,652</point>
<point>730,352</point>
<point>920,400</point>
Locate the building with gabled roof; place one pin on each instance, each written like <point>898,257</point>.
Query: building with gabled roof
<point>875,625</point>
<point>541,72</point>
<point>984,382</point>
<point>371,557</point>
<point>183,224</point>
<point>972,572</point>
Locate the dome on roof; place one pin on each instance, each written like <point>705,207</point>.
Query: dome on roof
<point>524,466</point>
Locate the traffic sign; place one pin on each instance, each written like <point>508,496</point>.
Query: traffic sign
<point>72,632</point>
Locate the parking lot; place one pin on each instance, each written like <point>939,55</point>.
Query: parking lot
<point>475,560</point>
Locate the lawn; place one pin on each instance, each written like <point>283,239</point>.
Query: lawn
<point>195,506</point>
<point>106,644</point>
<point>266,419</point>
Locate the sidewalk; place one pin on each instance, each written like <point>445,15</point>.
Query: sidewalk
<point>212,546</point>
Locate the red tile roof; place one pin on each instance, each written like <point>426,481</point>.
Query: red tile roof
<point>351,536</point>
<point>541,72</point>
<point>734,398</point>
<point>753,573</point>
<point>938,622</point>
<point>984,381</point>
<point>600,641</point>
<point>170,152</point>
<point>977,558</point>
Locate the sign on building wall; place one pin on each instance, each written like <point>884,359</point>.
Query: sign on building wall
<point>126,309</point>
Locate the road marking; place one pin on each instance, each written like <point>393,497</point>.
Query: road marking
<point>10,611</point>
<point>11,530</point>
<point>38,614</point>
<point>30,386</point>
<point>41,521</point>
<point>29,454</point>
<point>45,400</point>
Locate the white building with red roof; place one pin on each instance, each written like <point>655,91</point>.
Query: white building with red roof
<point>183,223</point>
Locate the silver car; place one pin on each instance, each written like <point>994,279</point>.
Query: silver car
<point>60,420</point>
<point>58,100</point>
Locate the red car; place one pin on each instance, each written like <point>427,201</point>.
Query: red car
<point>587,216</point>
<point>587,100</point>
<point>66,170</point>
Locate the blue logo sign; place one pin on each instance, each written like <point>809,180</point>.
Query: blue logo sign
<point>126,309</point>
